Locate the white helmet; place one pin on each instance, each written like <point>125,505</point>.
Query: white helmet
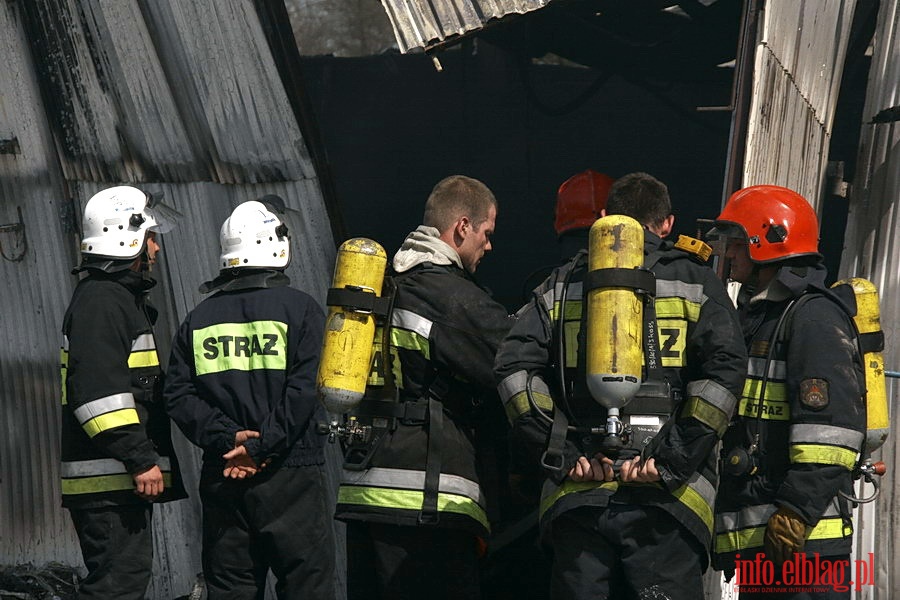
<point>117,219</point>
<point>254,236</point>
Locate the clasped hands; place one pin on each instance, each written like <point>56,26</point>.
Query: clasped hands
<point>600,468</point>
<point>239,464</point>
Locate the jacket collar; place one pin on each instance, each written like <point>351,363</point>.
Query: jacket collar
<point>424,246</point>
<point>233,280</point>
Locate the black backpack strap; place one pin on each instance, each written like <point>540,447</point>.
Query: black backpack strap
<point>429,514</point>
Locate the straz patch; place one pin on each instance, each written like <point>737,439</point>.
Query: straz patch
<point>814,393</point>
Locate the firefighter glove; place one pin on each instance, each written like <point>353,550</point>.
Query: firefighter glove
<point>785,534</point>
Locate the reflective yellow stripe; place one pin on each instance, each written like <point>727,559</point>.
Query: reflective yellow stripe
<point>772,410</point>
<point>111,420</point>
<point>672,342</point>
<point>104,483</point>
<point>776,391</point>
<point>573,311</point>
<point>734,541</point>
<point>706,413</point>
<point>376,374</point>
<point>691,498</point>
<point>752,537</point>
<point>518,405</point>
<point>571,332</point>
<point>830,529</point>
<point>241,347</point>
<point>410,500</point>
<point>823,455</point>
<point>102,406</point>
<point>677,308</point>
<point>143,358</point>
<point>551,496</point>
<point>411,340</point>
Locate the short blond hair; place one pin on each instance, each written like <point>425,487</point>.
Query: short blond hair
<point>458,196</point>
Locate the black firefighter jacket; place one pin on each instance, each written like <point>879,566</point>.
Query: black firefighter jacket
<point>703,361</point>
<point>246,358</point>
<point>445,332</point>
<point>114,422</point>
<point>811,421</point>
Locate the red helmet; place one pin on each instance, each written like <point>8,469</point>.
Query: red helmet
<point>580,199</point>
<point>779,223</point>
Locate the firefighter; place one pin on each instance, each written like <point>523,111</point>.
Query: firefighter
<point>117,456</point>
<point>640,527</point>
<point>415,511</point>
<point>579,201</point>
<point>241,386</point>
<point>801,420</point>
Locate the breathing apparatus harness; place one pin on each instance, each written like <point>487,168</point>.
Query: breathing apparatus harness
<point>741,461</point>
<point>381,410</point>
<point>653,388</point>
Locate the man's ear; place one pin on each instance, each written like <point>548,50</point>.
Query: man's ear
<point>667,226</point>
<point>463,226</point>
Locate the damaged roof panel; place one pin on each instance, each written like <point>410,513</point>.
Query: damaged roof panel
<point>427,23</point>
<point>171,91</point>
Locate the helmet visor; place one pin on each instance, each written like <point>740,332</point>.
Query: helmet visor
<point>164,216</point>
<point>724,231</point>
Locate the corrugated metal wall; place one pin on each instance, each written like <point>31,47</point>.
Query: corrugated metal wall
<point>872,250</point>
<point>422,23</point>
<point>33,293</point>
<point>796,80</point>
<point>182,97</point>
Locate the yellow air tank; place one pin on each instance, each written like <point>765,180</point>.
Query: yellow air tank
<point>350,330</point>
<point>614,314</point>
<point>868,320</point>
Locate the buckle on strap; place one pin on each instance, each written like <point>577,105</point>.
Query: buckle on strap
<point>358,299</point>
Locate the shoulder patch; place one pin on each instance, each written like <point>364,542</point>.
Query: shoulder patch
<point>814,393</point>
<point>700,250</point>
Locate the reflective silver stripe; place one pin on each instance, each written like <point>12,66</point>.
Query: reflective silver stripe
<point>101,406</point>
<point>411,321</point>
<point>756,366</point>
<point>752,516</point>
<point>826,434</point>
<point>143,342</point>
<point>692,292</point>
<point>575,291</point>
<point>756,516</point>
<point>704,487</point>
<point>548,299</point>
<point>406,479</point>
<point>102,466</point>
<point>517,383</point>
<point>65,343</point>
<point>713,393</point>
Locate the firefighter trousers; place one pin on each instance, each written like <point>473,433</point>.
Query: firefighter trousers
<point>403,562</point>
<point>278,519</point>
<point>117,548</point>
<point>624,551</point>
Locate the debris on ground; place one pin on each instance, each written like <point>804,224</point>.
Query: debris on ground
<point>52,581</point>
